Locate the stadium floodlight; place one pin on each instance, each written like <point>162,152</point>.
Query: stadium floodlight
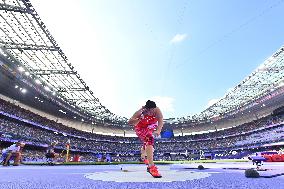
<point>24,91</point>
<point>38,81</point>
<point>16,86</point>
<point>47,88</point>
<point>53,93</point>
<point>21,69</point>
<point>62,111</point>
<point>27,73</point>
<point>281,84</point>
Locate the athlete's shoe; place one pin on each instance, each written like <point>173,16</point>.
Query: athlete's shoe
<point>153,170</point>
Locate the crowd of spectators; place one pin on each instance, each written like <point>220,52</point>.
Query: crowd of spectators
<point>38,156</point>
<point>20,112</point>
<point>256,132</point>
<point>234,131</point>
<point>25,132</point>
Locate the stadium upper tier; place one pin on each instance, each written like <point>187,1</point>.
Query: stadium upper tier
<point>262,84</point>
<point>28,47</point>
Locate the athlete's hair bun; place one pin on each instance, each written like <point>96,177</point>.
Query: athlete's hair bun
<point>150,104</point>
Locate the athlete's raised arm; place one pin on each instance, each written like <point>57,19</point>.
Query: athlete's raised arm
<point>135,118</point>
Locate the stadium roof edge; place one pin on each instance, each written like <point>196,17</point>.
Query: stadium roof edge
<point>26,38</point>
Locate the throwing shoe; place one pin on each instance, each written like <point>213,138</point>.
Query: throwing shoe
<point>153,170</point>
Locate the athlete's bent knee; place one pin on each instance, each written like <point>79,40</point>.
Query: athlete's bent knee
<point>149,140</point>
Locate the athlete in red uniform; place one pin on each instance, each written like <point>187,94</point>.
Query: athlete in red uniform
<point>148,121</point>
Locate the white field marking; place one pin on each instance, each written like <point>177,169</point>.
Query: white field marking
<point>139,174</point>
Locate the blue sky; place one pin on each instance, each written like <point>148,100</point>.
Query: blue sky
<point>183,54</point>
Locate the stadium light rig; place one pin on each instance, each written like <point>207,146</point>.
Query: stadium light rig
<point>36,50</point>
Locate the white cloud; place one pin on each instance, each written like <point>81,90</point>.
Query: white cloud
<point>166,104</point>
<point>178,38</point>
<point>211,102</point>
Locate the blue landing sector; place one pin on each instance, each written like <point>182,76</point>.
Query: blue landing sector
<point>134,176</point>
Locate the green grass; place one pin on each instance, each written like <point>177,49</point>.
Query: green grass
<point>135,162</point>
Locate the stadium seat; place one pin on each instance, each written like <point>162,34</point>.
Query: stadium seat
<point>276,158</point>
<point>268,158</point>
<point>49,159</point>
<point>282,157</point>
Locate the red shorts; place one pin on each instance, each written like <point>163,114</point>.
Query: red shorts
<point>145,134</point>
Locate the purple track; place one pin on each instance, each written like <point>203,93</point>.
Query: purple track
<point>75,177</point>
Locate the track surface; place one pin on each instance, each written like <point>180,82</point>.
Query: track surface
<point>135,176</point>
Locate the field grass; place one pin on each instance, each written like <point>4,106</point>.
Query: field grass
<point>135,162</point>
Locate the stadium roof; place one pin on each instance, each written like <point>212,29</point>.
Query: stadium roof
<point>24,37</point>
<point>265,80</point>
<point>268,77</point>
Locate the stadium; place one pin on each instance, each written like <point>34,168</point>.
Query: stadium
<point>237,142</point>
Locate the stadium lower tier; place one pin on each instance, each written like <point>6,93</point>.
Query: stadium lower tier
<point>34,154</point>
<point>12,130</point>
<point>17,124</point>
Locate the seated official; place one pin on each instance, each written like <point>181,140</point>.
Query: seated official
<point>50,153</point>
<point>13,151</point>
